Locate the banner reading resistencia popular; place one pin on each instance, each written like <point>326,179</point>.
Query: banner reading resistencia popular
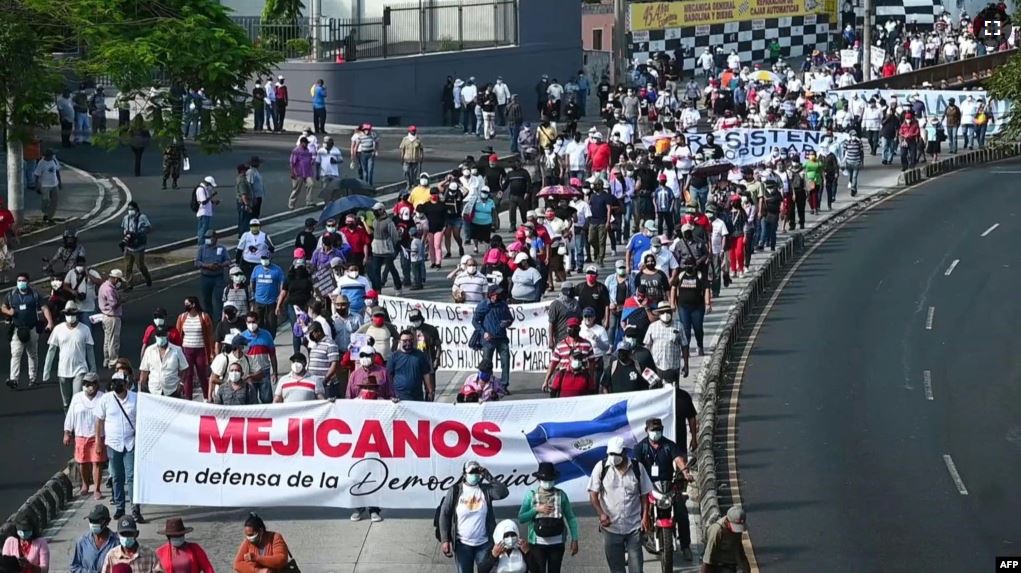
<point>529,335</point>
<point>662,15</point>
<point>749,146</point>
<point>936,101</point>
<point>357,453</point>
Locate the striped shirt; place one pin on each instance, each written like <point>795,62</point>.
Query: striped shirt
<point>80,420</point>
<point>854,151</point>
<point>193,333</point>
<point>320,358</point>
<point>294,388</point>
<point>561,359</point>
<point>238,297</point>
<point>664,341</point>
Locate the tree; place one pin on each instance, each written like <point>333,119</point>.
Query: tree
<point>29,76</point>
<point>1005,86</point>
<point>282,10</point>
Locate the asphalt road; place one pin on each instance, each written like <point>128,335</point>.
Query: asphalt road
<point>840,453</point>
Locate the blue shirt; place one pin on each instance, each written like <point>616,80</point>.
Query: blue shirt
<point>266,283</point>
<point>87,557</point>
<point>493,319</point>
<point>638,245</point>
<point>318,96</point>
<point>25,306</point>
<point>484,212</point>
<point>598,204</point>
<point>407,370</point>
<point>211,255</point>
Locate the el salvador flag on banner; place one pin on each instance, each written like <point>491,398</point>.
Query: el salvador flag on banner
<point>575,447</point>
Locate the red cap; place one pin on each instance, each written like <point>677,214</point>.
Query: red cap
<point>493,158</point>
<point>299,253</point>
<point>662,176</point>
<point>573,321</point>
<point>412,129</point>
<point>372,294</point>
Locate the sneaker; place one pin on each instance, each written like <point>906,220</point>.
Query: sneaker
<point>12,384</point>
<point>137,514</point>
<point>356,516</point>
<point>375,517</point>
<point>118,514</point>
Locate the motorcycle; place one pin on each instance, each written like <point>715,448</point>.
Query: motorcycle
<point>664,539</point>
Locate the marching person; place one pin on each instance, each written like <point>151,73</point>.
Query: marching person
<point>467,520</point>
<point>295,386</point>
<point>723,548</point>
<point>492,318</point>
<point>544,511</point>
<point>72,340</point>
<point>196,328</point>
<point>91,548</point>
<point>178,554</point>
<point>411,371</point>
<point>136,228</point>
<point>368,372</point>
<point>253,246</point>
<point>303,173</point>
<point>28,545</point>
<point>261,551</point>
<point>138,557</point>
<point>618,491</point>
<point>205,199</point>
<point>115,434</point>
<point>212,260</point>
<point>80,426</point>
<point>22,306</point>
<point>412,155</point>
<point>162,367</point>
<point>662,458</point>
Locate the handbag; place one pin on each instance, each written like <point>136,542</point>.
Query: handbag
<point>186,164</point>
<point>475,342</point>
<point>292,564</point>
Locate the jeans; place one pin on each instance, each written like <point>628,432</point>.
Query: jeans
<point>952,138</point>
<point>292,318</point>
<point>367,165</point>
<point>267,316</point>
<point>616,545</point>
<point>260,116</point>
<point>271,115</point>
<point>122,473</point>
<point>68,388</point>
<point>503,347</point>
<point>769,223</point>
<point>969,130</point>
<point>467,116</point>
<point>873,138</point>
<point>831,190</point>
<point>82,127</point>
<point>383,265</point>
<point>211,294</point>
<point>244,216</point>
<point>890,148</point>
<point>137,152</point>
<point>716,269</point>
<point>578,249</point>
<point>853,169</point>
<point>692,318</point>
<point>411,171</point>
<point>131,258</point>
<point>468,557</point>
<point>281,113</point>
<point>319,120</point>
<point>418,273</point>
<point>203,226</point>
<point>264,388</point>
<point>513,131</point>
<point>702,194</point>
<point>980,134</point>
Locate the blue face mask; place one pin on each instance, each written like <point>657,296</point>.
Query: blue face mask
<point>96,528</point>
<point>23,534</point>
<point>129,542</point>
<point>472,479</point>
<point>22,285</point>
<point>485,376</point>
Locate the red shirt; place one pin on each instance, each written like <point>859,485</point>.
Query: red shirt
<point>173,335</point>
<point>570,383</point>
<point>6,222</point>
<point>358,238</point>
<point>599,154</point>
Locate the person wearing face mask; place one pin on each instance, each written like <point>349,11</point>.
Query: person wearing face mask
<point>295,293</point>
<point>179,554</point>
<point>91,548</point>
<point>135,227</point>
<point>261,550</point>
<point>618,288</point>
<point>560,311</point>
<point>60,295</point>
<point>618,491</point>
<point>83,281</point>
<point>72,341</point>
<point>262,353</point>
<point>230,350</point>
<point>694,300</point>
<point>80,427</point>
<point>358,239</point>
<point>385,240</point>
<point>31,550</point>
<point>480,214</point>
<point>211,260</point>
<point>382,331</point>
<point>482,386</point>
<point>163,366</point>
<point>466,519</point>
<point>115,434</point>
<point>665,341</point>
<point>236,391</point>
<point>544,511</point>
<point>23,305</point>
<point>410,370</point>
<point>436,216</point>
<point>298,385</point>
<point>575,380</point>
<point>427,337</point>
<point>638,244</point>
<point>471,284</point>
<point>355,286</point>
<point>367,368</point>
<point>571,348</point>
<point>306,238</point>
<point>656,281</point>
<point>661,458</point>
<point>253,247</point>
<point>491,319</point>
<point>724,550</point>
<point>231,324</point>
<point>526,281</point>
<point>267,283</point>
<point>625,371</point>
<point>197,345</point>
<point>597,336</point>
<point>510,553</point>
<point>323,358</point>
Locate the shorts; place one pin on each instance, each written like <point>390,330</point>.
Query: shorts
<point>85,451</point>
<point>454,222</point>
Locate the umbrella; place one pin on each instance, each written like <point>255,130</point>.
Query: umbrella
<point>764,76</point>
<point>559,192</point>
<point>346,205</point>
<point>345,187</point>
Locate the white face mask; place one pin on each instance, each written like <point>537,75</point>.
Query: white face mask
<point>576,364</point>
<point>352,274</point>
<point>238,279</point>
<point>545,484</point>
<point>472,270</point>
<point>265,262</point>
<point>208,242</point>
<point>71,319</point>
<point>655,436</point>
<point>234,376</point>
<point>297,367</point>
<point>79,269</point>
<point>159,321</point>
<point>666,317</point>
<point>252,326</point>
<point>56,284</point>
<point>365,361</point>
<point>615,459</point>
<point>177,542</point>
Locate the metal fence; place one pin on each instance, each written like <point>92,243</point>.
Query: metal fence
<point>404,30</point>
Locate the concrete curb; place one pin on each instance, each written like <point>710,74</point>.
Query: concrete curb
<point>708,380</point>
<point>46,504</point>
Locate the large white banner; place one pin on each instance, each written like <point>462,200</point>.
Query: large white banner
<point>936,101</point>
<point>357,453</point>
<point>529,335</point>
<point>750,145</point>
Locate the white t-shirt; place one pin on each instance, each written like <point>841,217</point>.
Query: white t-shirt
<point>203,194</point>
<point>624,131</point>
<point>73,343</point>
<point>471,515</point>
<point>164,372</point>
<point>719,235</point>
<point>328,168</point>
<point>582,210</point>
<point>84,285</point>
<point>577,155</point>
<point>46,172</point>
<point>120,430</point>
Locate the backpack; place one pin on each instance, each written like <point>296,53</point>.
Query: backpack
<point>193,204</point>
<point>606,469</point>
<point>454,491</point>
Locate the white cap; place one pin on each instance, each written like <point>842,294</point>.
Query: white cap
<point>209,179</point>
<point>378,207</point>
<point>117,274</point>
<point>280,77</point>
<point>254,222</point>
<point>615,445</point>
<point>520,257</point>
<point>366,350</point>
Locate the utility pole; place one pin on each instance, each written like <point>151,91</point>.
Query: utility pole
<point>15,177</point>
<point>619,40</point>
<point>315,14</point>
<point>866,41</point>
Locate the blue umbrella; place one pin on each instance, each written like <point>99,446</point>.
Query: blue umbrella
<point>346,205</point>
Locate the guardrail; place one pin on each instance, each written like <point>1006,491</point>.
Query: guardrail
<point>955,74</point>
<point>708,380</point>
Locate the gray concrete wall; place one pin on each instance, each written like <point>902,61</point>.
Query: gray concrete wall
<point>410,87</point>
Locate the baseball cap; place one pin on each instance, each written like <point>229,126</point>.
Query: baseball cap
<point>650,225</point>
<point>657,242</point>
<point>378,206</point>
<point>472,467</point>
<point>127,525</point>
<point>616,446</point>
<point>336,262</point>
<point>520,257</point>
<point>254,223</point>
<point>620,265</point>
<point>99,513</point>
<point>371,294</point>
<point>412,129</point>
<point>378,311</point>
<point>588,312</point>
<point>736,517</point>
<point>687,227</point>
<point>591,270</point>
<point>573,321</point>
<point>209,179</point>
<point>299,253</point>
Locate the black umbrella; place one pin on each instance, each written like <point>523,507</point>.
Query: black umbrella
<point>347,186</point>
<point>346,205</point>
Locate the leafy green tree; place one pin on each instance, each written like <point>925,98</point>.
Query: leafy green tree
<point>1005,86</point>
<point>282,10</point>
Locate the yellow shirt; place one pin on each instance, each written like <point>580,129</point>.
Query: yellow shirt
<point>419,195</point>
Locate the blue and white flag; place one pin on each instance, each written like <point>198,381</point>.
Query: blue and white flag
<point>575,447</point>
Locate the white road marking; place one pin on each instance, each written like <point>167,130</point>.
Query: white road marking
<point>952,266</point>
<point>990,229</point>
<point>928,318</point>
<point>954,475</point>
<point>927,383</point>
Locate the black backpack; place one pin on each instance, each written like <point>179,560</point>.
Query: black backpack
<point>606,469</point>
<point>194,203</point>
